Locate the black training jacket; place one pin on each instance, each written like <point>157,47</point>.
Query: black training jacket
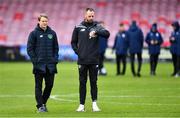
<point>87,47</point>
<point>42,47</point>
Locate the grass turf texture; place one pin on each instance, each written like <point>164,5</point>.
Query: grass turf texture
<point>118,95</point>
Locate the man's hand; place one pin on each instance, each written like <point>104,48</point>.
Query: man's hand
<point>152,42</point>
<point>155,42</point>
<point>92,34</point>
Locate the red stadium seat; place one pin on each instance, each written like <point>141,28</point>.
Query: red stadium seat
<point>3,7</point>
<point>162,30</point>
<point>18,16</point>
<point>135,16</point>
<point>166,44</point>
<point>168,22</point>
<point>162,19</point>
<point>125,22</point>
<point>1,21</point>
<point>65,14</point>
<point>144,22</point>
<point>3,37</point>
<point>178,15</point>
<point>101,4</point>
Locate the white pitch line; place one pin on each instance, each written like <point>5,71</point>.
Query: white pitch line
<point>132,96</point>
<point>158,89</point>
<point>101,92</point>
<point>16,96</point>
<point>121,96</point>
<point>56,97</point>
<point>68,95</point>
<point>101,96</point>
<point>144,104</point>
<point>128,103</point>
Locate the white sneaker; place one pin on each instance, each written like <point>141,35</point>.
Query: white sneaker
<point>95,108</point>
<point>103,70</point>
<point>81,108</point>
<point>177,75</point>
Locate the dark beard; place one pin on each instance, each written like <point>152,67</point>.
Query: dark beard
<point>89,21</point>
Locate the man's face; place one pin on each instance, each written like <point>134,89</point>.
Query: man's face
<point>121,28</point>
<point>43,23</point>
<point>153,29</point>
<point>174,28</point>
<point>89,16</point>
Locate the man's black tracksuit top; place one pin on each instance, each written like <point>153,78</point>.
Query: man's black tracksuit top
<point>86,47</point>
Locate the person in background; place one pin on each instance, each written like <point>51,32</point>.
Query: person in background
<point>177,40</point>
<point>136,40</point>
<point>120,47</point>
<point>154,41</point>
<point>173,48</point>
<point>103,44</point>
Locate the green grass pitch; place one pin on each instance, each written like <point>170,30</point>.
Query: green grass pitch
<point>119,96</point>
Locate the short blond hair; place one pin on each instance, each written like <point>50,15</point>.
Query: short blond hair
<point>42,15</point>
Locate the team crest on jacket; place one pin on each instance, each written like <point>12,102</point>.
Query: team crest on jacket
<point>50,36</point>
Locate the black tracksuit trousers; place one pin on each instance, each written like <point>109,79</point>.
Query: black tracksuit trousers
<point>178,65</point>
<point>174,60</point>
<point>90,70</point>
<point>42,96</point>
<point>121,59</point>
<point>101,60</point>
<point>132,59</point>
<point>153,62</point>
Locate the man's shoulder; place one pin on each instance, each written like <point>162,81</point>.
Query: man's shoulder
<point>149,33</point>
<point>32,33</point>
<point>118,34</point>
<point>80,26</point>
<point>51,30</point>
